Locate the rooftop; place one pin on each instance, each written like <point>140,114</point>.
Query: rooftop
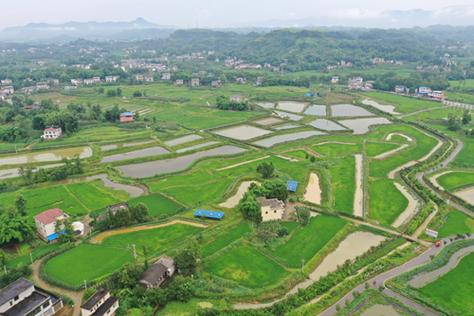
<point>49,216</point>
<point>209,214</point>
<point>94,299</point>
<point>104,308</point>
<point>13,289</point>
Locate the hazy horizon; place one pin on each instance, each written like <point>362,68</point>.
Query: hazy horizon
<point>220,14</point>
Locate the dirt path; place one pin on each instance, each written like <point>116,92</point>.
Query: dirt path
<point>97,239</point>
<point>334,142</point>
<point>466,194</point>
<point>390,153</point>
<point>312,193</point>
<point>434,179</point>
<point>75,296</point>
<point>288,158</point>
<point>359,189</point>
<point>234,200</point>
<point>243,163</point>
<point>389,136</point>
<point>411,208</point>
<point>423,279</point>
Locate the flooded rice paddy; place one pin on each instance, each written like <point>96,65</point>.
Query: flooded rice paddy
<point>266,105</point>
<point>327,125</point>
<point>362,126</point>
<point>390,109</point>
<point>291,106</point>
<point>278,139</point>
<point>46,156</point>
<point>242,132</point>
<point>234,200</point>
<point>316,110</point>
<point>349,110</point>
<point>182,140</point>
<point>15,172</point>
<point>268,121</point>
<point>159,167</point>
<point>141,153</point>
<point>285,126</point>
<point>289,116</point>
<point>198,146</point>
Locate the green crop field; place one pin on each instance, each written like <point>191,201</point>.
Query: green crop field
<point>381,191</point>
<point>86,262</point>
<point>337,150</point>
<point>456,180</point>
<point>373,149</point>
<point>75,198</point>
<point>456,223</point>
<point>402,104</point>
<point>228,236</point>
<point>305,242</point>
<point>158,205</point>
<point>453,290</point>
<point>154,240</point>
<point>246,266</point>
<point>342,183</point>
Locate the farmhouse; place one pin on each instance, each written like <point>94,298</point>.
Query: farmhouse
<point>163,269</point>
<point>437,95</point>
<point>195,82</point>
<point>42,86</point>
<point>127,117</point>
<point>216,83</point>
<point>179,82</point>
<point>355,83</point>
<point>111,79</point>
<point>22,298</point>
<point>101,303</point>
<point>335,80</point>
<point>7,90</point>
<point>271,209</point>
<point>166,76</point>
<point>46,223</point>
<point>52,133</point>
<point>401,89</point>
<point>423,91</point>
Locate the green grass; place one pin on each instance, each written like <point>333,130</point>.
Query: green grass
<point>86,262</point>
<point>386,202</point>
<point>246,266</point>
<point>299,154</point>
<point>342,183</point>
<point>402,104</point>
<point>337,150</point>
<point>453,290</point>
<point>373,149</point>
<point>306,241</point>
<point>456,223</point>
<point>456,180</point>
<point>228,236</point>
<point>158,205</point>
<point>155,240</point>
<point>26,252</point>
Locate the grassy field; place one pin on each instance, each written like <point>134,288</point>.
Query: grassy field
<point>246,266</point>
<point>456,223</point>
<point>402,104</point>
<point>74,198</point>
<point>373,149</point>
<point>342,172</point>
<point>305,242</point>
<point>456,180</point>
<point>453,290</point>
<point>86,262</point>
<point>386,202</point>
<point>158,205</point>
<point>337,150</point>
<point>230,235</point>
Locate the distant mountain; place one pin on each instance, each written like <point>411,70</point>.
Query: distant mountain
<point>137,29</point>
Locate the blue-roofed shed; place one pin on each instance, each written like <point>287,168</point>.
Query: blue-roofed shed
<point>292,185</point>
<point>209,214</point>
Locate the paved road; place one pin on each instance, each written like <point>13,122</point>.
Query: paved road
<point>75,296</point>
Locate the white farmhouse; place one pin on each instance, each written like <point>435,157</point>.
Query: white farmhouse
<point>46,223</point>
<point>52,133</point>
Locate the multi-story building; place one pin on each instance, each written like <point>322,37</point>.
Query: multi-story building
<point>46,223</point>
<point>100,304</point>
<point>52,133</point>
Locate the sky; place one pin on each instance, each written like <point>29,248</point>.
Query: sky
<point>207,13</point>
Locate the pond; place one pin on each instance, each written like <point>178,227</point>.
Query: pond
<point>291,106</point>
<point>182,140</point>
<point>242,132</point>
<point>159,167</point>
<point>361,126</point>
<point>278,139</point>
<point>390,109</point>
<point>141,153</point>
<point>316,110</point>
<point>349,110</point>
<point>327,125</point>
<point>46,156</point>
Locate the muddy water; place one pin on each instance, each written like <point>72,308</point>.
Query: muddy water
<point>359,192</point>
<point>361,126</point>
<point>242,132</point>
<point>351,247</point>
<point>390,109</point>
<point>46,156</point>
<point>466,194</point>
<point>313,190</point>
<point>271,141</point>
<point>234,200</point>
<point>158,167</point>
<point>411,208</point>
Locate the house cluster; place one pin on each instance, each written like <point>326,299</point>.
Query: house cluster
<point>6,89</point>
<point>127,117</point>
<point>427,92</point>
<point>51,133</point>
<point>340,64</point>
<point>144,78</point>
<point>274,209</point>
<point>400,89</point>
<point>137,64</point>
<point>23,298</point>
<point>382,61</point>
<point>50,225</point>
<point>102,303</point>
<point>358,83</point>
<point>335,79</point>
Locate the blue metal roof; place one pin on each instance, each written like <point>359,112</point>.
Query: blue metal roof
<point>209,214</point>
<point>127,114</point>
<point>55,236</point>
<point>292,185</point>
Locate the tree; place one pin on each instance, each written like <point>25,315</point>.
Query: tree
<point>15,228</point>
<point>466,117</point>
<point>180,289</point>
<point>137,94</point>
<point>274,189</point>
<point>266,169</point>
<point>20,205</point>
<point>139,212</point>
<point>65,231</point>
<point>187,259</point>
<point>303,215</point>
<point>453,123</point>
<point>250,207</point>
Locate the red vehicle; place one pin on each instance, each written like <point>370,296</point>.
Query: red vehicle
<point>438,243</point>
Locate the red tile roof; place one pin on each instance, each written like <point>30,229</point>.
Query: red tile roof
<point>49,216</point>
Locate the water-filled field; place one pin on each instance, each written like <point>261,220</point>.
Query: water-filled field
<point>141,153</point>
<point>278,139</point>
<point>242,132</point>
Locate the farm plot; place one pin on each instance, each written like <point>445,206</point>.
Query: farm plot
<point>291,106</point>
<point>456,180</point>
<point>402,104</point>
<point>197,146</point>
<point>268,121</point>
<point>381,150</point>
<point>362,126</point>
<point>86,262</point>
<point>342,183</point>
<point>381,191</point>
<point>153,168</point>
<point>467,194</point>
<point>182,140</point>
<point>349,110</point>
<point>454,289</point>
<point>337,149</point>
<point>327,125</point>
<point>285,127</point>
<point>141,153</point>
<point>312,193</point>
<point>304,242</point>
<point>390,109</point>
<point>46,156</point>
<point>278,139</point>
<point>245,265</point>
<point>158,205</point>
<point>224,239</point>
<point>289,116</point>
<point>266,105</point>
<point>455,222</point>
<point>242,132</point>
<point>316,110</point>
